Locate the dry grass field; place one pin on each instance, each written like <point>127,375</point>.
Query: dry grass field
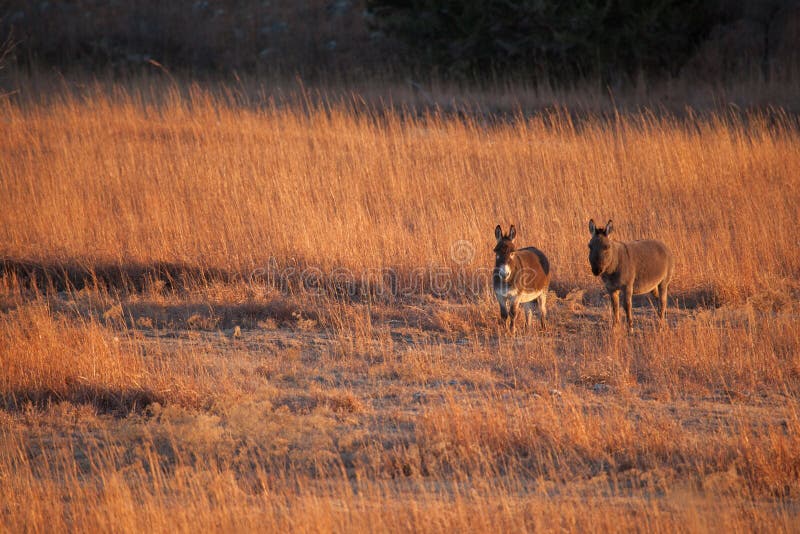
<point>231,314</point>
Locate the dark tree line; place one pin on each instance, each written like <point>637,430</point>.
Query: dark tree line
<point>610,40</point>
<point>561,40</point>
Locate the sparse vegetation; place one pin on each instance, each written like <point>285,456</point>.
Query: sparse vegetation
<point>221,314</point>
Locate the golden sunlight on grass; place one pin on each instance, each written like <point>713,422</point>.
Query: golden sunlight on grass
<point>227,318</point>
<point>197,181</point>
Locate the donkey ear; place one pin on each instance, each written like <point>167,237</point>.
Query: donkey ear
<point>512,233</point>
<point>609,227</point>
<point>498,232</point>
<point>592,227</point>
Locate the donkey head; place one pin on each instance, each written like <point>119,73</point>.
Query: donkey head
<point>504,252</point>
<point>600,254</point>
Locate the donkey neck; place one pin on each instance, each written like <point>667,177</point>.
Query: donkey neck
<point>618,249</point>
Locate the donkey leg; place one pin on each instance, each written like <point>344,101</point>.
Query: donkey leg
<point>543,309</point>
<point>528,311</point>
<point>514,315</point>
<point>656,294</point>
<point>662,312</point>
<point>614,297</point>
<point>503,311</point>
<point>627,294</point>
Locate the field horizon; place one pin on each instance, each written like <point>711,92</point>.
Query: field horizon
<point>224,310</point>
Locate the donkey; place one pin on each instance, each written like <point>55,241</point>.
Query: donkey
<point>520,277</point>
<point>634,268</point>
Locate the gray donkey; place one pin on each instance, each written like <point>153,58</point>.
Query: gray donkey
<point>635,268</point>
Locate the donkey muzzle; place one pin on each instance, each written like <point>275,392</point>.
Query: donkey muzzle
<point>504,271</point>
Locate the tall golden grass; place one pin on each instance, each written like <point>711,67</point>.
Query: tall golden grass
<point>238,403</point>
<point>110,178</point>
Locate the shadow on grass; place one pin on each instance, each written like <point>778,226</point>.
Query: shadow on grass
<point>133,277</point>
<point>115,401</point>
<point>293,295</point>
<point>289,276</point>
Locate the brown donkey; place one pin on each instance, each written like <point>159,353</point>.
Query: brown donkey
<point>520,277</point>
<point>634,268</point>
